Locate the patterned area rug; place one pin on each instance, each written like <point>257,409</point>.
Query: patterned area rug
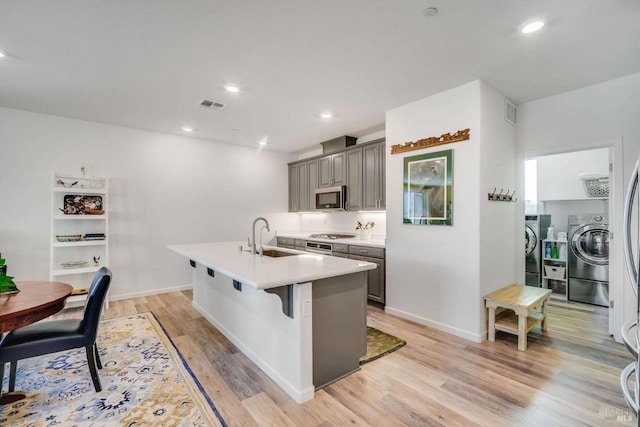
<point>380,344</point>
<point>145,382</point>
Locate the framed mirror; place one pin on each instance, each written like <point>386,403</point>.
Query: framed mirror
<point>428,188</point>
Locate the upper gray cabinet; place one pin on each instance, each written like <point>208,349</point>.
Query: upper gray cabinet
<point>299,197</point>
<point>361,168</point>
<point>332,170</point>
<point>373,187</point>
<point>294,188</point>
<point>354,179</point>
<point>312,166</point>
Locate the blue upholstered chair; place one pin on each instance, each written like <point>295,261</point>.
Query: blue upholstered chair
<point>51,336</point>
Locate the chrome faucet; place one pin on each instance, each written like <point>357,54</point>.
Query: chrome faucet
<point>253,234</point>
<point>260,249</point>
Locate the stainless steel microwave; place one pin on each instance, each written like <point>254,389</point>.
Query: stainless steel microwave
<point>331,198</point>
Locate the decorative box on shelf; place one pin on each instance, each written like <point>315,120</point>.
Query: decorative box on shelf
<point>554,272</point>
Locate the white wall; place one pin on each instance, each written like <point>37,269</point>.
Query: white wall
<point>608,111</point>
<point>433,272</point>
<point>561,209</point>
<point>501,242</point>
<point>438,275</point>
<point>165,190</point>
<point>559,175</point>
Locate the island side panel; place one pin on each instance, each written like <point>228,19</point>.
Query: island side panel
<point>339,326</point>
<point>253,320</point>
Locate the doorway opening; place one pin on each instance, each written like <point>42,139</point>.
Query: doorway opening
<point>568,208</point>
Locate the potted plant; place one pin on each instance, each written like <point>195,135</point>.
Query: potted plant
<point>6,282</point>
<point>365,230</point>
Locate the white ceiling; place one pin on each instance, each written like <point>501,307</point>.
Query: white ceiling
<point>148,63</point>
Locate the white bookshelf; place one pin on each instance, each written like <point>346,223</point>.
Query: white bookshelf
<point>554,270</point>
<point>70,219</point>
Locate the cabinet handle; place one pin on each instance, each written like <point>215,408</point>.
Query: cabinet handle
<point>364,252</point>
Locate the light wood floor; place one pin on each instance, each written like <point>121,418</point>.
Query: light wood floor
<point>569,375</point>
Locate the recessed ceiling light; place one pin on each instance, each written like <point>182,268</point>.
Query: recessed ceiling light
<point>262,142</point>
<point>326,115</point>
<point>532,27</point>
<point>2,55</point>
<point>232,88</point>
<point>430,11</point>
<point>187,129</point>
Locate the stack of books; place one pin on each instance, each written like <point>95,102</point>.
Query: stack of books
<point>94,236</point>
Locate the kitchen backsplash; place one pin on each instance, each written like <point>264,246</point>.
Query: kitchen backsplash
<point>342,222</point>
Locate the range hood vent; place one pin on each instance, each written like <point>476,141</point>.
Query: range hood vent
<point>338,144</point>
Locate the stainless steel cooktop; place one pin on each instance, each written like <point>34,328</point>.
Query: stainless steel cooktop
<point>331,236</point>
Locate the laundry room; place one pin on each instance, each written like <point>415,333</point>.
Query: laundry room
<point>567,225</point>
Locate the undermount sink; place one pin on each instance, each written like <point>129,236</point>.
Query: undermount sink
<point>274,253</point>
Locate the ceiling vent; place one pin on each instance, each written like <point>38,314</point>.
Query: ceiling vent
<point>510,112</point>
<point>211,105</point>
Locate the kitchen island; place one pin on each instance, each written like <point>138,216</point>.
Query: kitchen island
<point>300,317</point>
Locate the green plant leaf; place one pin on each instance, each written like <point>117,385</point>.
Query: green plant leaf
<point>6,284</point>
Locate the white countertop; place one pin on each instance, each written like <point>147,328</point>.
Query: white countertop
<point>375,243</point>
<point>263,272</point>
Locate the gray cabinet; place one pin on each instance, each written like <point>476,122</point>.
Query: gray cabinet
<point>361,169</point>
<point>312,166</point>
<point>299,197</point>
<point>291,243</point>
<point>294,188</point>
<point>354,179</point>
<point>303,188</point>
<point>373,188</point>
<point>376,278</point>
<point>286,242</point>
<point>340,250</point>
<point>332,170</point>
<point>300,244</point>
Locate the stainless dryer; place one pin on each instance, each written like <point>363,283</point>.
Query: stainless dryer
<point>589,259</point>
<point>535,229</point>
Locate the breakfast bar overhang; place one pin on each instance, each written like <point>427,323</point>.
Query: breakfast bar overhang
<point>300,317</point>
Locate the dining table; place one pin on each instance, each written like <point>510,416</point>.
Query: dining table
<point>35,301</point>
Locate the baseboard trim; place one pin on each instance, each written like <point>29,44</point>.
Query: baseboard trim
<point>436,325</point>
<point>298,395</point>
<point>150,292</point>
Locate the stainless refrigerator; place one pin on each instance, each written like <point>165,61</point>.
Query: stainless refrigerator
<point>630,331</point>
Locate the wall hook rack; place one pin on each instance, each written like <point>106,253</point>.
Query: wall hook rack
<point>493,197</point>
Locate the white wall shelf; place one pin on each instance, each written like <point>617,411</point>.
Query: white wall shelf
<point>57,244</point>
<point>74,190</point>
<point>68,271</point>
<point>554,270</point>
<point>75,217</point>
<point>82,250</point>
